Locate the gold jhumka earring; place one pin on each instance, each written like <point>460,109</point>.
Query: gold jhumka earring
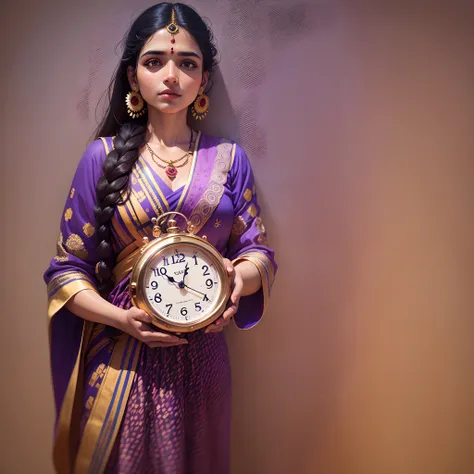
<point>201,106</point>
<point>135,104</point>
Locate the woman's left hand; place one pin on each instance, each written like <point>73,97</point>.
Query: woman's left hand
<point>236,285</point>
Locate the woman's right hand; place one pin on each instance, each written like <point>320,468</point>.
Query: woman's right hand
<point>137,323</point>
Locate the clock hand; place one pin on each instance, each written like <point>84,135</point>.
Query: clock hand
<point>186,270</point>
<point>192,289</point>
<point>170,278</point>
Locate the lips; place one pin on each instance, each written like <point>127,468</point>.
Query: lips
<point>169,92</point>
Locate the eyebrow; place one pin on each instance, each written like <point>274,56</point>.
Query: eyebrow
<point>162,53</point>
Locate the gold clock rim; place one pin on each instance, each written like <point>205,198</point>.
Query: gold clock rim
<point>159,245</point>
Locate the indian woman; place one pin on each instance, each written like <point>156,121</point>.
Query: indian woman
<point>131,398</point>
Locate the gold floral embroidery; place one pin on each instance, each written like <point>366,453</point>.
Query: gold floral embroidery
<point>68,214</point>
<point>252,210</point>
<point>60,250</point>
<point>248,194</point>
<point>239,225</point>
<point>217,224</point>
<point>88,229</point>
<point>75,245</point>
<point>259,225</point>
<point>261,239</point>
<point>71,195</point>
<point>215,187</point>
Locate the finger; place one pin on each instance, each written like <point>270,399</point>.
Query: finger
<point>229,267</point>
<point>214,328</point>
<point>141,315</point>
<point>142,327</point>
<point>236,292</point>
<point>229,312</point>
<point>154,345</point>
<point>153,336</point>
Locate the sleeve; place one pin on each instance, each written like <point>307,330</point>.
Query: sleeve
<point>248,240</point>
<point>72,269</point>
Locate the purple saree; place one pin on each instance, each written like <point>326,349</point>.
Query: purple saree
<point>121,406</point>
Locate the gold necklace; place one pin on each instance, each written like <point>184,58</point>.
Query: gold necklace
<point>171,168</point>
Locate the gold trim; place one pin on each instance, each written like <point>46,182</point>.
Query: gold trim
<point>128,223</point>
<point>191,174</point>
<point>64,294</point>
<point>117,227</point>
<point>69,416</point>
<point>146,188</point>
<point>148,174</point>
<point>248,195</point>
<point>124,267</point>
<point>215,188</point>
<point>127,251</point>
<point>93,431</point>
<point>267,275</point>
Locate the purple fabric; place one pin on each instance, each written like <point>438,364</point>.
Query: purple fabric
<point>177,418</point>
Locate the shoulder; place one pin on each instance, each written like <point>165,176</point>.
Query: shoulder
<point>95,153</point>
<point>239,158</point>
<point>90,164</point>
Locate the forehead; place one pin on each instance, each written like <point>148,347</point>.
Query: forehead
<point>161,40</point>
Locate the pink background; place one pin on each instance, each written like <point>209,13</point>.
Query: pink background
<point>358,119</point>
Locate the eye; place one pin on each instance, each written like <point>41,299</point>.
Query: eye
<point>189,64</point>
<point>153,63</point>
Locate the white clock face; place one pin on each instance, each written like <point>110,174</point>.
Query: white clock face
<point>182,284</point>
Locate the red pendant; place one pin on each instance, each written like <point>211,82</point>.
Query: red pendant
<point>171,172</point>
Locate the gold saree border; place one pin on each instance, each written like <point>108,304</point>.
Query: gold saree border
<point>215,188</point>
<point>191,174</point>
<point>124,267</point>
<point>104,421</point>
<point>267,274</point>
<point>64,286</point>
<point>122,209</point>
<point>69,414</point>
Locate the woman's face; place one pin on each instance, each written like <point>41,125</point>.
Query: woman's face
<point>158,70</point>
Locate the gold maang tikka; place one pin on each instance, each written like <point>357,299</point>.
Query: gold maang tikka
<point>173,29</point>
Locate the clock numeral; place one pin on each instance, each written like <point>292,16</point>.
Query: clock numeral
<point>169,306</point>
<point>206,270</point>
<point>165,261</point>
<point>209,283</point>
<point>154,285</point>
<point>197,307</point>
<point>206,298</point>
<point>195,260</point>
<point>180,258</point>
<point>158,298</point>
<point>184,312</point>
<point>159,271</point>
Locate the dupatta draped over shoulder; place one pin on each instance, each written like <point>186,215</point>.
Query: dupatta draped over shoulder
<point>220,200</point>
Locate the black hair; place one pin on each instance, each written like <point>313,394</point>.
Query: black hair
<point>130,133</point>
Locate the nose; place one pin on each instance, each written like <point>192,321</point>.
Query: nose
<point>171,73</point>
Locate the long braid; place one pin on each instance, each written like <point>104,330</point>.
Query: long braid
<point>109,193</point>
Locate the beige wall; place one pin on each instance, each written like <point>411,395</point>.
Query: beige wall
<point>358,118</point>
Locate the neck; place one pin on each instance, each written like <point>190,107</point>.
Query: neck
<point>168,130</point>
